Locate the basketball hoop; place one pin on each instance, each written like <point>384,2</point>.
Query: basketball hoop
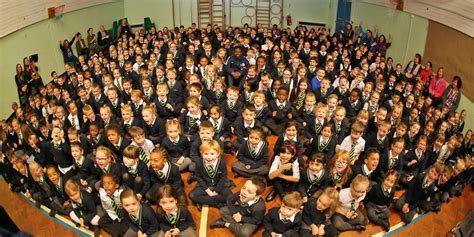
<point>58,11</point>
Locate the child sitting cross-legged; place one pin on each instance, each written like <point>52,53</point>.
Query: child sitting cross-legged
<point>285,220</point>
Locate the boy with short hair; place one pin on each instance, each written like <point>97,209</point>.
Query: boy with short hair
<point>354,143</point>
<point>145,146</point>
<point>285,220</point>
<point>245,210</point>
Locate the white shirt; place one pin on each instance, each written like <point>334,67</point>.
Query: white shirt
<point>345,199</point>
<point>277,163</point>
<point>107,202</point>
<point>347,144</point>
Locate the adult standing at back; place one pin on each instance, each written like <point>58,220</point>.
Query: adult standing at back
<point>452,94</point>
<point>437,87</point>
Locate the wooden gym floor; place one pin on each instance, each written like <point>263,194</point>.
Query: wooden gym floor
<point>31,220</point>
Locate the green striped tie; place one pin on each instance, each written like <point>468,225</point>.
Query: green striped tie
<point>211,171</point>
<point>352,152</point>
<point>142,154</point>
<point>116,207</point>
<point>253,151</point>
<point>322,145</point>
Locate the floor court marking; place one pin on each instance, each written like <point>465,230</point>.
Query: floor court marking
<point>398,227</point>
<point>203,222</point>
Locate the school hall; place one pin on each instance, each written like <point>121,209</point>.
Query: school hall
<point>236,118</point>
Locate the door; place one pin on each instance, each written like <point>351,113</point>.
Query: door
<point>343,14</point>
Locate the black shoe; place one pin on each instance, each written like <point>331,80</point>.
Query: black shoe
<point>219,223</point>
<point>52,213</point>
<point>271,196</point>
<point>37,204</point>
<point>386,226</point>
<point>190,179</point>
<point>359,227</point>
<point>96,231</point>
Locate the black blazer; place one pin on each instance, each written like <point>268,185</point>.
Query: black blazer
<point>172,177</point>
<point>118,151</point>
<point>181,148</point>
<point>418,167</point>
<point>223,130</point>
<point>136,122</point>
<point>371,141</point>
<point>377,196</point>
<point>232,113</point>
<point>87,170</point>
<point>383,167</point>
<point>351,111</point>
<point>241,131</point>
<point>163,112</point>
<point>147,224</point>
<point>260,159</point>
<point>142,171</point>
<point>316,146</point>
<point>253,214</point>
<point>273,223</point>
<point>416,194</point>
<point>88,207</point>
<point>280,113</point>
<point>61,154</point>
<point>311,215</point>
<point>218,182</point>
<point>156,131</point>
<point>307,188</point>
<point>185,221</point>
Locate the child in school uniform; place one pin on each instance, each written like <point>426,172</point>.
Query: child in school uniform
<point>61,151</point>
<point>164,105</point>
<point>261,108</point>
<point>368,166</point>
<point>290,133</point>
<point>41,191</point>
<point>281,112</point>
<point>140,217</point>
<point>232,106</point>
<point>173,216</point>
<point>112,220</point>
<point>414,161</point>
<point>96,136</point>
<point>191,118</point>
<point>304,113</point>
<point>114,101</point>
<point>252,157</point>
<point>340,124</point>
<point>56,182</point>
<point>243,124</point>
<point>390,159</point>
<point>145,146</point>
<point>177,145</point>
<point>137,103</point>
<point>84,205</point>
<point>117,142</point>
<point>325,142</point>
<point>206,133</point>
<point>412,136</point>
<point>211,175</point>
<point>348,216</point>
<point>353,104</point>
<point>419,189</point>
<point>87,174</point>
<point>177,88</point>
<point>38,150</point>
<point>285,220</point>
<point>136,175</point>
<point>106,164</point>
<point>245,210</point>
<point>107,116</point>
<point>222,126</point>
<point>354,143</point>
<point>129,120</point>
<point>314,177</point>
<point>379,198</point>
<point>314,126</point>
<point>162,172</point>
<point>339,170</point>
<point>317,213</point>
<point>154,127</point>
<point>378,139</point>
<point>195,89</point>
<point>284,172</point>
<point>216,96</point>
<point>440,194</point>
<point>74,136</point>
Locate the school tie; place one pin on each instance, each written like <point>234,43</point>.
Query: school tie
<point>323,93</point>
<point>391,162</point>
<point>337,176</point>
<point>301,97</point>
<point>231,105</point>
<point>385,192</point>
<point>322,145</point>
<point>170,85</point>
<point>352,152</point>
<point>73,121</point>
<point>317,127</point>
<point>253,151</point>
<point>281,106</point>
<point>192,121</point>
<point>218,94</point>
<point>216,127</point>
<point>210,171</point>
<point>243,204</point>
<point>172,218</point>
<point>425,183</point>
<point>338,127</point>
<point>142,155</point>
<point>119,85</point>
<point>161,175</point>
<point>380,140</point>
<point>56,145</point>
<point>116,208</point>
<point>353,205</point>
<point>162,102</point>
<point>132,171</point>
<point>285,221</point>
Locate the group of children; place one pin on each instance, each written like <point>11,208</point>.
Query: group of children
<point>103,142</point>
